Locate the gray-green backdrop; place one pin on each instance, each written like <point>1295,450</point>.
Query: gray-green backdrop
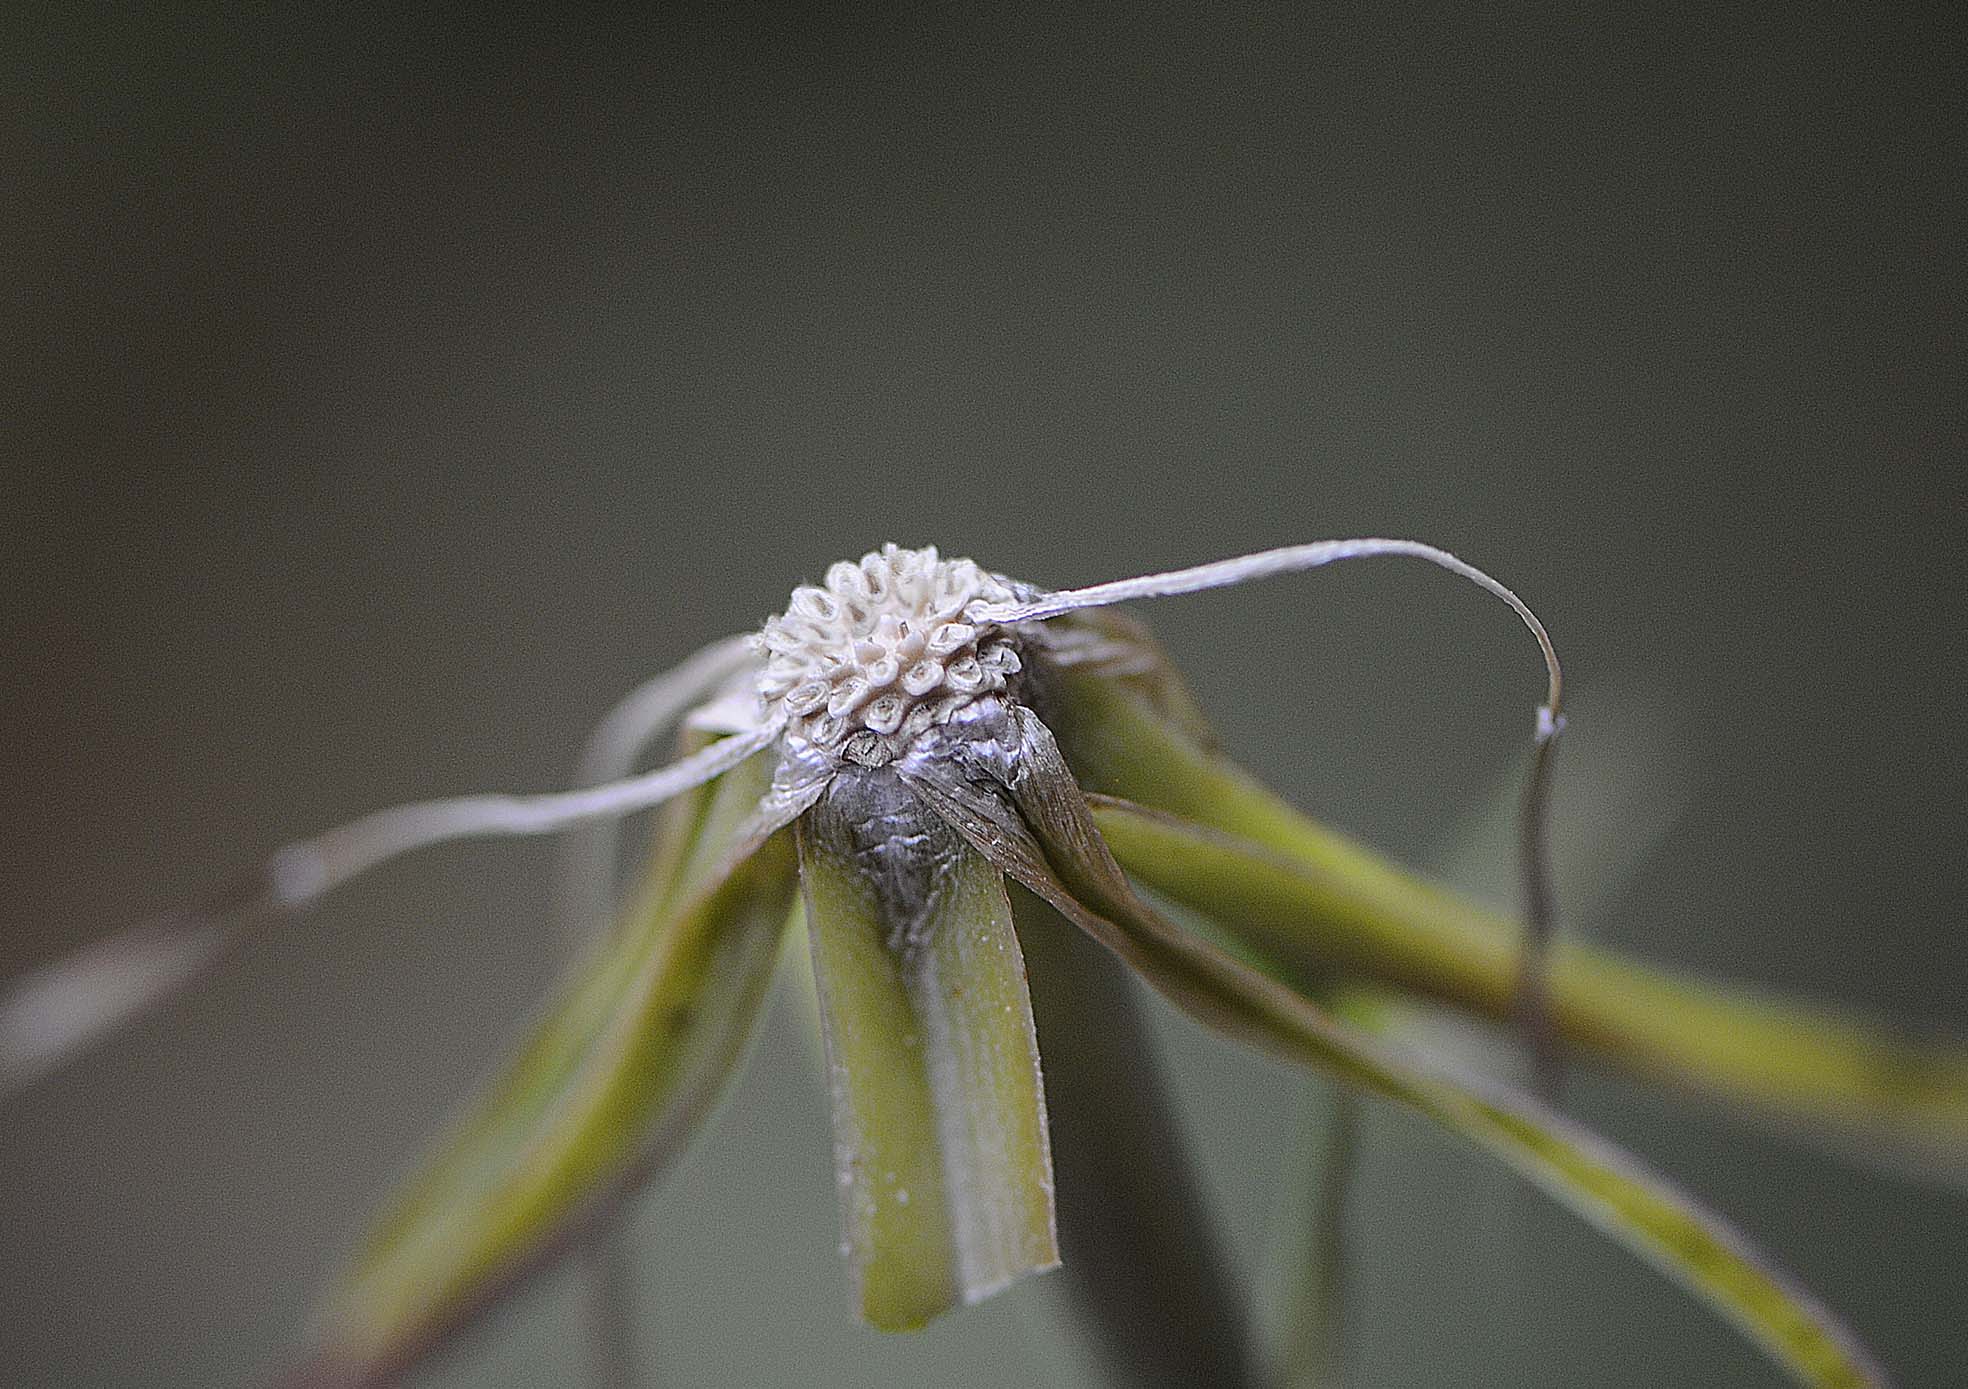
<point>385,398</point>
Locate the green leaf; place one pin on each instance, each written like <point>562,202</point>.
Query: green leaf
<point>1320,909</point>
<point>611,1084</point>
<point>939,1117</point>
<point>1050,844</point>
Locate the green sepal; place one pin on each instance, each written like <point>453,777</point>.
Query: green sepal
<point>1325,912</point>
<point>940,1140</point>
<point>608,1088</point>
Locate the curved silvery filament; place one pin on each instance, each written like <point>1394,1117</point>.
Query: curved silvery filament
<point>1539,912</point>
<point>1288,559</point>
<point>302,872</point>
<point>62,1007</point>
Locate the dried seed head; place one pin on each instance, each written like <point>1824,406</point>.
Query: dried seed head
<point>884,651</point>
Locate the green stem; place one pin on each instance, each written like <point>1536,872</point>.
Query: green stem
<point>1314,1342</point>
<point>1142,1268</point>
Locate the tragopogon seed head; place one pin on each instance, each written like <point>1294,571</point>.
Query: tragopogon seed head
<point>884,651</point>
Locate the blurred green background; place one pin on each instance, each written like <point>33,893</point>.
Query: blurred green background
<point>389,396</point>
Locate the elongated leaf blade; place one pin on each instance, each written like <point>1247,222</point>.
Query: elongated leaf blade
<point>608,1088</point>
<point>1323,908</point>
<point>939,1115</point>
<point>1050,844</point>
